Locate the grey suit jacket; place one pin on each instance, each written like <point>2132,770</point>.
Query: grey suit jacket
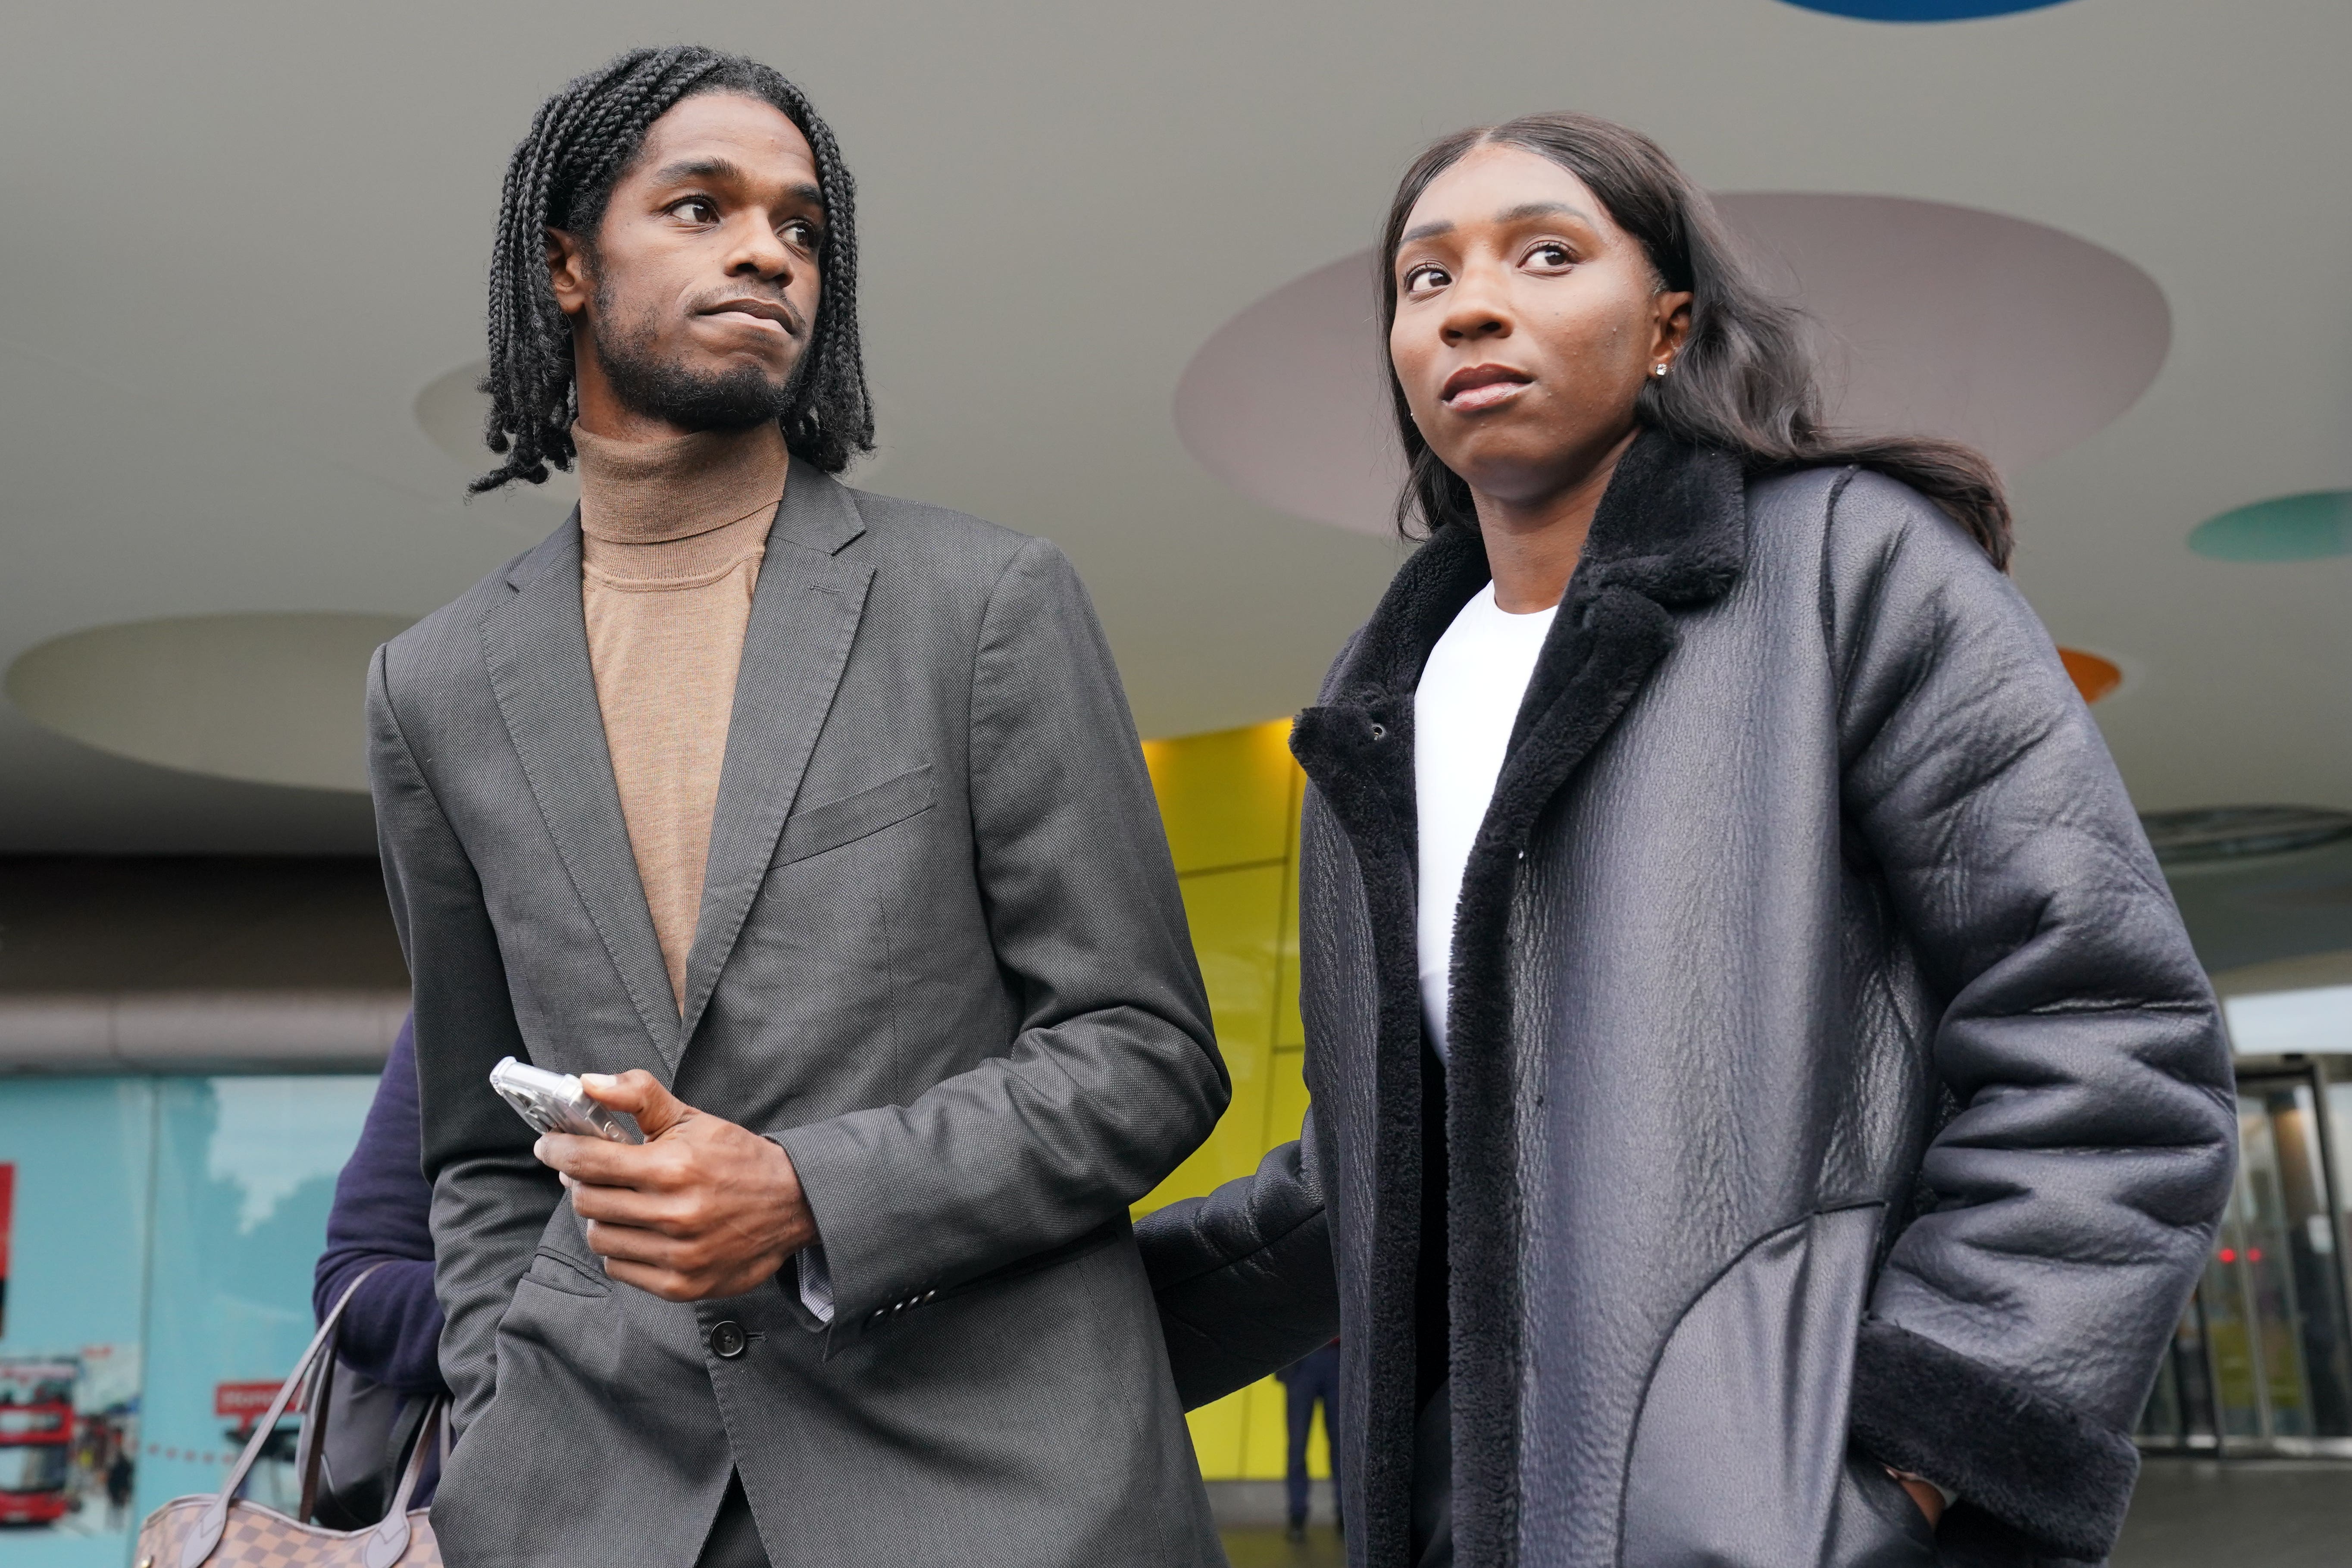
<point>941,958</point>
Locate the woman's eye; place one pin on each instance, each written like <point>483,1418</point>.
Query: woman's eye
<point>1422,280</point>
<point>1550,257</point>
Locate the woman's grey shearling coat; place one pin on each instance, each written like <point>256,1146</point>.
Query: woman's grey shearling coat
<point>1829,1066</point>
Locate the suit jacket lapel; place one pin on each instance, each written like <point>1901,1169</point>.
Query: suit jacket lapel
<point>804,614</point>
<point>535,642</point>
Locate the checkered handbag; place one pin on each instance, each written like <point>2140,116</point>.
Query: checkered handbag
<point>231,1531</point>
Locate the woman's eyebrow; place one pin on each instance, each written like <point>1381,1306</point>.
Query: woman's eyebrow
<point>1527,210</point>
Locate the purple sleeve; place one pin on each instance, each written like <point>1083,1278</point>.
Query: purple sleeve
<point>382,1205</point>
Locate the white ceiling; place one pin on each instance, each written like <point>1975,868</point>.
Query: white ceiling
<point>242,239</point>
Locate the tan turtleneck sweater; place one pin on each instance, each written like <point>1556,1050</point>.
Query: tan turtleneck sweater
<point>672,533</point>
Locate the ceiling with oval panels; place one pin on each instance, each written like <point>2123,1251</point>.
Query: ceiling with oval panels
<point>1066,210</point>
<point>271,699</point>
<point>2012,336</point>
<point>2309,527</point>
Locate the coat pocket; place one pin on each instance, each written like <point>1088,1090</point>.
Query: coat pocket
<point>818,829</point>
<point>1739,1454</point>
<point>1877,1524</point>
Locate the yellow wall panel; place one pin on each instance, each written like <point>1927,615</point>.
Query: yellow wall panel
<point>1217,1436</point>
<point>1226,797</point>
<point>1235,916</point>
<point>1289,1031</point>
<point>1231,801</point>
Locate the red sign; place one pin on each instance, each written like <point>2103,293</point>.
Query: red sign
<point>244,1401</point>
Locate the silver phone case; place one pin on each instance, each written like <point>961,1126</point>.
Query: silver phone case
<point>554,1103</point>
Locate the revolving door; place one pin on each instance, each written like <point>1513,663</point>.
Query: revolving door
<point>2261,1362</point>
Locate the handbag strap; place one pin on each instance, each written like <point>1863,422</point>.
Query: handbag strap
<point>318,1409</point>
<point>214,1519</point>
<point>387,1543</point>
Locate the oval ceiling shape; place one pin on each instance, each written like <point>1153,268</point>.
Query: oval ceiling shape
<point>2012,336</point>
<point>452,410</point>
<point>2308,526</point>
<point>1923,10</point>
<point>2093,674</point>
<point>261,698</point>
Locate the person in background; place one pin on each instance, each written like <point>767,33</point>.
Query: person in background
<point>391,1333</point>
<point>1766,1109</point>
<point>382,1215</point>
<point>119,1476</point>
<point>1313,1378</point>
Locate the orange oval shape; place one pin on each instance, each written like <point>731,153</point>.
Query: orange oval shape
<point>2093,677</point>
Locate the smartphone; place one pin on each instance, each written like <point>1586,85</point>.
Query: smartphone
<point>554,1103</point>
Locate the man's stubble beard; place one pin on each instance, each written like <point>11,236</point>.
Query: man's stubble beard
<point>658,388</point>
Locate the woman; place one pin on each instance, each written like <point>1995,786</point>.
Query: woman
<point>1762,1090</point>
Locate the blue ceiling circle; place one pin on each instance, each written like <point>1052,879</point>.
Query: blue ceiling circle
<point>1923,10</point>
<point>2308,527</point>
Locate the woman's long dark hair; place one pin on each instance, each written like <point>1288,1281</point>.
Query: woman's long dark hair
<point>1744,381</point>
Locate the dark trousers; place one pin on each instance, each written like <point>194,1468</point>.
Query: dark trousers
<point>1314,1378</point>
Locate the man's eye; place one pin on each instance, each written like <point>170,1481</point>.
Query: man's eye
<point>800,232</point>
<point>697,210</point>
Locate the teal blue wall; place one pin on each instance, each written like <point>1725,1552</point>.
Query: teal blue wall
<point>172,1222</point>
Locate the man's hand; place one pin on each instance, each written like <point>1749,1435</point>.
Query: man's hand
<point>701,1209</point>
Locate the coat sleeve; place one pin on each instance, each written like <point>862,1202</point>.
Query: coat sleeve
<point>490,1198</point>
<point>2071,1198</point>
<point>381,1219</point>
<point>1113,1076</point>
<point>1243,1276</point>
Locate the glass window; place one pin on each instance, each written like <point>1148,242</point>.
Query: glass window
<point>245,1173</point>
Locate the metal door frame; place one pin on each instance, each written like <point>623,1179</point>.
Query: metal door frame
<point>2312,1073</point>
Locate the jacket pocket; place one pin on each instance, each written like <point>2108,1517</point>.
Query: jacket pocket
<point>1738,1456</point>
<point>818,829</point>
<point>569,1275</point>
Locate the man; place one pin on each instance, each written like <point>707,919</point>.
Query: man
<point>822,829</point>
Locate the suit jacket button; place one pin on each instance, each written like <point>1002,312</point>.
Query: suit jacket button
<point>727,1338</point>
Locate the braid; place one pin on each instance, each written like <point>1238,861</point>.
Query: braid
<point>561,175</point>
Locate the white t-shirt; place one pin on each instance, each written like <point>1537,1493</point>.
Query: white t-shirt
<point>1462,712</point>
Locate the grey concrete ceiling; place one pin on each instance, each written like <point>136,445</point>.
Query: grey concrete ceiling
<point>243,238</point>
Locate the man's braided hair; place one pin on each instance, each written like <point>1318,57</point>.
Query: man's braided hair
<point>561,177</point>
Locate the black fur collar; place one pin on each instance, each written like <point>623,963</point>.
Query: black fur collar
<point>1672,527</point>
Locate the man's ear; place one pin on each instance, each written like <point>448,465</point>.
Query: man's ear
<point>567,272</point>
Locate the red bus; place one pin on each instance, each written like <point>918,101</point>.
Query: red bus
<point>36,1461</point>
